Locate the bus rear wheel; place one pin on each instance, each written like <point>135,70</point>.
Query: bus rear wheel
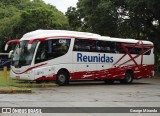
<point>62,78</point>
<point>128,78</point>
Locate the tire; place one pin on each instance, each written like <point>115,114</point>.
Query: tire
<point>128,78</point>
<point>62,78</point>
<point>109,81</point>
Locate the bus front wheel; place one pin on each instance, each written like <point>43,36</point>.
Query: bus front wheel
<point>128,78</point>
<point>62,78</point>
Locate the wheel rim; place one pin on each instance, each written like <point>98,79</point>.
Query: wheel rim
<point>62,78</point>
<point>129,78</point>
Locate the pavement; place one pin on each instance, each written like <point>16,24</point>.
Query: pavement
<point>27,88</point>
<point>142,93</point>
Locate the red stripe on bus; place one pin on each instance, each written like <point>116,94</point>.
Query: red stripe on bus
<point>111,73</point>
<point>30,68</point>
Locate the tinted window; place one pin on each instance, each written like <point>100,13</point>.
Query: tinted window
<point>120,49</point>
<point>84,45</point>
<point>51,49</point>
<point>147,51</point>
<point>106,46</point>
<point>134,50</point>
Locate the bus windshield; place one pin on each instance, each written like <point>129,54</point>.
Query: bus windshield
<point>22,56</point>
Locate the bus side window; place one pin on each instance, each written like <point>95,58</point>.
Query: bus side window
<point>147,52</point>
<point>51,49</point>
<point>120,49</point>
<point>100,46</point>
<point>41,52</point>
<point>138,50</point>
<point>59,47</point>
<point>113,47</point>
<point>84,45</point>
<point>106,47</point>
<point>76,45</point>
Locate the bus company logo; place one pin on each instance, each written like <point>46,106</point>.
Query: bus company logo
<point>99,58</point>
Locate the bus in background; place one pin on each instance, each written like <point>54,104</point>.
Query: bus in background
<point>62,56</point>
<point>4,60</point>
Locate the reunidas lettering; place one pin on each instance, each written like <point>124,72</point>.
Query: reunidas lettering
<point>98,58</point>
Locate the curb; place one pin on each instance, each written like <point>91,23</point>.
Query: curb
<point>38,85</point>
<point>23,88</point>
<point>15,91</point>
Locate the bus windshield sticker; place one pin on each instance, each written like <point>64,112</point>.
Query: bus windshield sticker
<point>62,41</point>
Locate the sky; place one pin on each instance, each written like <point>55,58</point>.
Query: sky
<point>62,5</point>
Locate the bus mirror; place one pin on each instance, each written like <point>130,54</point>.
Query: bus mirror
<point>10,54</point>
<point>6,47</point>
<point>11,41</point>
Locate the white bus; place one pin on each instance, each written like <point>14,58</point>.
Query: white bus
<point>69,55</point>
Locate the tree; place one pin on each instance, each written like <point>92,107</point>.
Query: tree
<point>20,16</point>
<point>144,17</point>
<point>74,19</point>
<point>98,16</point>
<point>11,2</point>
<point>41,18</point>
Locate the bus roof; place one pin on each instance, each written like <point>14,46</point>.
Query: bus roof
<point>51,33</point>
<point>123,40</point>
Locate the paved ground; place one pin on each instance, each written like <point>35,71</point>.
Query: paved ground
<point>142,93</point>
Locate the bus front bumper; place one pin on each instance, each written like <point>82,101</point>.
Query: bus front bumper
<point>22,76</point>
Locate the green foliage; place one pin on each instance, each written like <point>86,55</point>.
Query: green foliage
<point>20,16</point>
<point>98,16</point>
<point>74,19</point>
<point>11,2</point>
<point>110,17</point>
<point>41,18</point>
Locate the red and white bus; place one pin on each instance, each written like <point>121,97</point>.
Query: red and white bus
<point>69,55</point>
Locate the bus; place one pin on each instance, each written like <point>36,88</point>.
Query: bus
<point>64,56</point>
<point>4,60</point>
